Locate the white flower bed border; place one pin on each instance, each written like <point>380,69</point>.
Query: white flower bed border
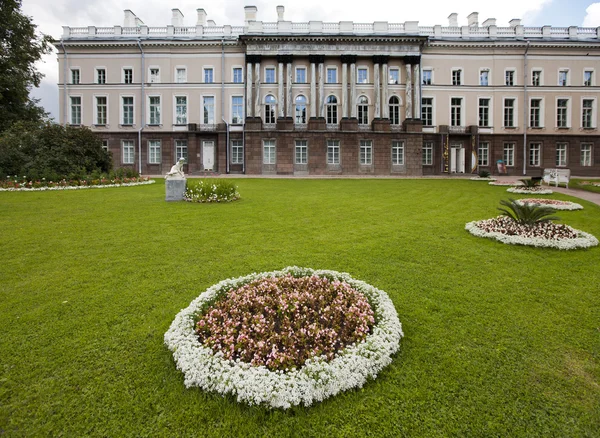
<point>506,183</point>
<point>478,178</point>
<point>568,205</point>
<point>585,240</point>
<point>101,186</point>
<point>525,191</point>
<point>315,381</point>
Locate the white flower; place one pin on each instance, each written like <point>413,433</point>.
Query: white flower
<point>41,189</point>
<point>528,191</point>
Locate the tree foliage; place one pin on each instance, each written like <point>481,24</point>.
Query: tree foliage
<point>20,48</point>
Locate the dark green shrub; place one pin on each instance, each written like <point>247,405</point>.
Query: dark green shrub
<point>484,174</point>
<point>526,214</point>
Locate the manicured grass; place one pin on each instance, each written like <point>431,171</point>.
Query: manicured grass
<point>576,183</point>
<point>500,340</point>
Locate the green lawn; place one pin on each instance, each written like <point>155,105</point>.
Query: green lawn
<point>576,184</point>
<point>500,340</point>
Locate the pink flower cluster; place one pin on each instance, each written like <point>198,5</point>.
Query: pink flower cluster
<point>544,230</point>
<point>280,322</point>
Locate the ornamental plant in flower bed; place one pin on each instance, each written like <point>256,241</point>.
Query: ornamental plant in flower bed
<point>537,190</point>
<point>554,203</point>
<point>530,224</point>
<point>210,191</point>
<point>285,338</point>
<point>63,184</point>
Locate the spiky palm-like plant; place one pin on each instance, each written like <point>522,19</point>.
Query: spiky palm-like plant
<point>527,214</point>
<point>530,183</point>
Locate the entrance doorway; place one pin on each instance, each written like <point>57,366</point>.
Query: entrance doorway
<point>457,158</point>
<point>208,155</point>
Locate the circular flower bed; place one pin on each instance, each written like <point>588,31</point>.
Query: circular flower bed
<point>554,203</point>
<point>39,186</point>
<point>285,338</point>
<point>545,234</point>
<point>537,190</point>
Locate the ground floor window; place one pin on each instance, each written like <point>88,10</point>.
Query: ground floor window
<point>333,152</point>
<point>181,150</point>
<point>535,150</point>
<point>128,152</point>
<point>237,152</point>
<point>154,151</point>
<point>561,154</point>
<point>397,153</point>
<point>483,154</point>
<point>301,152</point>
<point>586,154</point>
<point>268,151</point>
<point>366,152</point>
<point>427,153</point>
<point>105,145</point>
<point>509,154</point>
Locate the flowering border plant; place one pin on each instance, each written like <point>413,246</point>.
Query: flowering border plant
<point>43,185</point>
<point>317,379</point>
<point>210,191</point>
<point>554,203</point>
<point>478,178</point>
<point>537,190</point>
<point>506,183</point>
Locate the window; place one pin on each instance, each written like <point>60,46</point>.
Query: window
<point>269,75</point>
<point>333,152</point>
<point>508,154</point>
<point>128,75</point>
<point>366,152</point>
<point>237,109</point>
<point>394,107</point>
<point>427,111</point>
<point>536,78</point>
<point>268,151</point>
<point>301,75</point>
<point>586,154</point>
<point>154,151</point>
<point>484,78</point>
<point>394,74</point>
<point>100,76</point>
<point>427,153</point>
<point>587,78</point>
<point>154,75</point>
<point>456,77</point>
<point>563,76</point>
<point>455,111</point>
<point>154,110</point>
<point>301,152</point>
<point>181,150</point>
<point>208,76</point>
<point>127,110</point>
<point>237,75</point>
<point>270,106</point>
<point>587,111</point>
<point>128,152</point>
<point>535,108</point>
<point>105,145</point>
<point>397,153</point>
<point>535,149</point>
<point>180,110</point>
<point>484,113</point>
<point>362,75</point>
<point>75,76</point>
<point>300,109</point>
<point>76,110</point>
<point>483,154</point>
<point>331,75</point>
<point>331,110</point>
<point>509,78</point>
<point>101,110</point>
<point>363,110</point>
<point>427,77</point>
<point>561,154</point>
<point>509,113</point>
<point>237,152</point>
<point>562,113</point>
<point>208,110</point>
<point>180,75</point>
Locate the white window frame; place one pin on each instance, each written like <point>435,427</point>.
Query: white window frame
<point>541,78</point>
<point>272,118</point>
<point>202,104</point>
<point>488,77</point>
<point>586,158</point>
<point>302,147</point>
<point>205,70</point>
<point>515,112</point>
<point>154,79</point>
<point>483,153</point>
<point>568,112</point>
<point>122,111</point>
<point>567,77</point>
<point>231,110</point>
<point>160,112</point>
<point>97,71</point>
<point>538,155</point>
<point>130,157</point>
<point>462,110</point>
<point>593,78</point>
<point>327,70</point>
<point>432,110</point>
<point>306,103</point>
<point>430,70</point>
<point>105,144</point>
<point>427,153</point>
<point>72,70</point>
<point>508,151</point>
<point>331,108</point>
<point>181,149</point>
<point>301,67</point>
<point>95,110</point>
<point>270,157</point>
<point>187,105</point>
<point>71,96</point>
<point>562,161</point>
<point>233,69</point>
<point>390,80</point>
<point>333,152</point>
<point>460,76</point>
<point>176,76</point>
<point>362,68</point>
<point>363,120</point>
<point>514,77</point>
<point>489,111</point>
<point>237,151</point>
<point>123,75</point>
<point>592,116</point>
<point>367,158</point>
<point>397,157</point>
<point>541,111</point>
<point>153,157</point>
<point>269,68</point>
<point>394,107</point>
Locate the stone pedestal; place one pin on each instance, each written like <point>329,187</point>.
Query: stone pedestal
<point>175,189</point>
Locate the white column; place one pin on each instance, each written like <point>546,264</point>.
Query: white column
<point>313,90</point>
<point>257,112</point>
<point>353,90</point>
<point>321,90</point>
<point>290,98</point>
<point>377,90</point>
<point>417,92</point>
<point>344,90</point>
<point>249,90</point>
<point>385,107</point>
<point>408,91</point>
<point>280,96</point>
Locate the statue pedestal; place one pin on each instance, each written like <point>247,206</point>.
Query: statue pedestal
<point>175,189</point>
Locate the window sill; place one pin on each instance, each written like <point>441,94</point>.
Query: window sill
<point>510,128</point>
<point>536,127</point>
<point>153,164</point>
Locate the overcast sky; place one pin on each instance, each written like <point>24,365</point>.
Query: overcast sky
<point>50,16</point>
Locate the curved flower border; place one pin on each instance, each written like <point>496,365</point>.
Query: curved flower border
<point>315,381</point>
<point>564,205</point>
<point>526,191</point>
<point>478,178</point>
<point>100,186</point>
<point>585,240</point>
<point>505,183</point>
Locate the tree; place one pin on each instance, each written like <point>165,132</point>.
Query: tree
<point>20,48</point>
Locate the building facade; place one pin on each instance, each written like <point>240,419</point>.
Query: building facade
<point>340,98</point>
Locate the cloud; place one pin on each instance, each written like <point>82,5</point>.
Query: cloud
<point>592,18</point>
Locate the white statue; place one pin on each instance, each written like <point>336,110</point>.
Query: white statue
<point>176,171</point>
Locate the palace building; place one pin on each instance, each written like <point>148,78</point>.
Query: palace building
<point>345,98</point>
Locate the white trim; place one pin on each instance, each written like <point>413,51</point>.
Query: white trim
<point>160,111</point>
<point>427,68</point>
<point>359,68</point>
<point>462,76</point>
<point>231,109</point>
<point>205,68</point>
<point>590,69</point>
<point>542,112</point>
<point>157,80</point>
<point>334,68</point>
<point>95,109</point>
<point>100,67</point>
<point>433,111</point>
<point>489,76</point>
<point>515,115</point>
<point>515,76</point>
<point>594,111</point>
<point>490,112</point>
<point>122,113</point>
<point>569,109</point>
<point>394,67</point>
<point>187,108</point>
<point>71,70</point>
<point>265,68</point>
<point>534,69</point>
<point>302,67</point>
<point>463,105</point>
<point>126,67</point>
<point>233,67</point>
<point>159,148</point>
<point>202,97</point>
<point>175,77</point>
<point>70,113</point>
<point>568,72</point>
<point>123,151</point>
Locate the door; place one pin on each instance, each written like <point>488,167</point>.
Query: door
<point>457,158</point>
<point>208,155</point>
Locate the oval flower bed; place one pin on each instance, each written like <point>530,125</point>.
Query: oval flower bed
<point>33,186</point>
<point>479,178</point>
<point>285,338</point>
<point>506,183</point>
<point>547,234</point>
<point>537,190</point>
<point>554,203</point>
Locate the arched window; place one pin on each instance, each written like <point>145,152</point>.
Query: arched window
<point>394,110</point>
<point>331,105</point>
<point>270,108</point>
<point>300,109</point>
<point>363,110</point>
